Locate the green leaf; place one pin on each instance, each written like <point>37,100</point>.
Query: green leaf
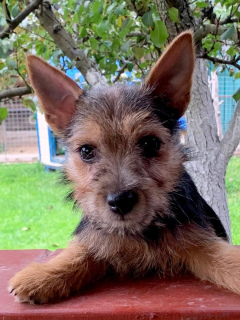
<point>15,11</point>
<point>138,52</point>
<point>197,14</point>
<point>143,65</point>
<point>3,114</point>
<point>231,51</point>
<point>120,10</point>
<point>113,68</point>
<point>111,7</point>
<point>174,14</point>
<point>97,7</point>
<point>237,75</point>
<point>228,33</point>
<point>119,21</point>
<point>82,32</point>
<point>103,27</point>
<point>125,47</point>
<point>201,4</point>
<point>94,43</point>
<point>236,95</point>
<point>2,20</point>
<point>130,66</point>
<point>75,18</point>
<point>29,103</point>
<point>147,19</point>
<point>115,45</point>
<point>108,44</point>
<point>125,28</point>
<point>217,47</point>
<point>159,34</point>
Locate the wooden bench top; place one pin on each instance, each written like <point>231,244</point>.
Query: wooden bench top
<point>185,298</point>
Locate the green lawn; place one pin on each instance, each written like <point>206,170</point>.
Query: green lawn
<point>233,194</point>
<point>34,215</point>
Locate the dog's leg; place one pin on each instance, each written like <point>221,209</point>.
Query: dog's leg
<point>216,261</point>
<point>65,274</point>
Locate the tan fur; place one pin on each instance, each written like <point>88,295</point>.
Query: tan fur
<point>113,120</point>
<point>66,274</point>
<point>125,170</point>
<point>217,261</point>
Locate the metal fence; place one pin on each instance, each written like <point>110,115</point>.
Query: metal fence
<point>18,135</point>
<point>227,86</point>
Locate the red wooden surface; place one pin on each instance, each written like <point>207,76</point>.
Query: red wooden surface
<point>184,298</point>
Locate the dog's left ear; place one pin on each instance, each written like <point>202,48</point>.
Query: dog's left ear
<point>57,93</point>
<point>171,77</point>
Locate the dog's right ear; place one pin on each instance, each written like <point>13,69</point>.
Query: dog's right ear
<point>171,77</point>
<point>57,93</point>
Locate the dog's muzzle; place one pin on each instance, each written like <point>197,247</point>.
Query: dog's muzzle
<point>122,202</point>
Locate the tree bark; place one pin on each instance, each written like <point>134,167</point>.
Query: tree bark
<point>19,18</point>
<point>208,164</point>
<point>63,39</point>
<point>14,92</point>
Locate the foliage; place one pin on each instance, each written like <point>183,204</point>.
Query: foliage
<point>3,114</point>
<point>117,34</point>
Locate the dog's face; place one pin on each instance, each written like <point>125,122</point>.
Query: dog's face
<point>121,158</point>
<point>123,154</point>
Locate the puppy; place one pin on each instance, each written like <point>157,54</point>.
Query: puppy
<point>141,212</point>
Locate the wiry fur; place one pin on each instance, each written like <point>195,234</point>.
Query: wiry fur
<point>120,165</point>
<point>170,229</point>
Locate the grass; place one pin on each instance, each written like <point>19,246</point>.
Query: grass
<point>233,194</point>
<point>33,214</point>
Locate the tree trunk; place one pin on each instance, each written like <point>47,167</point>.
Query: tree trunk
<point>208,165</point>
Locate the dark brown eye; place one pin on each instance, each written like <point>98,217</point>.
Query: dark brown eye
<point>150,146</point>
<point>87,152</point>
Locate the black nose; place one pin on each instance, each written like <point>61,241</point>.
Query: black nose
<point>122,202</point>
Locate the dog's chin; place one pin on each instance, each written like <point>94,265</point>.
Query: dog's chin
<point>132,223</point>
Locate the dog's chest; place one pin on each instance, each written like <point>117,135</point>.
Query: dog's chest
<point>135,256</point>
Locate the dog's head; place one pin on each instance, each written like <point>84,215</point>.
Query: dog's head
<point>123,154</point>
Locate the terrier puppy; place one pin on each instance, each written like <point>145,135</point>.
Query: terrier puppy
<point>141,211</point>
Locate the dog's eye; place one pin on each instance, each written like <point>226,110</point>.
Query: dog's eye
<point>87,152</point>
<point>150,146</point>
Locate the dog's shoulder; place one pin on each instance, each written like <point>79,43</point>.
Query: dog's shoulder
<point>188,206</point>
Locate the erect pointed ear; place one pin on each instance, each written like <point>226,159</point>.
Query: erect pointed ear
<point>171,77</point>
<point>57,93</point>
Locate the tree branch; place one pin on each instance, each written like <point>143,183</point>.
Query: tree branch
<point>65,42</point>
<point>134,7</point>
<point>136,34</point>
<point>208,29</point>
<point>19,18</point>
<point>14,92</point>
<point>233,62</point>
<point>231,138</point>
<point>229,20</point>
<point>120,72</point>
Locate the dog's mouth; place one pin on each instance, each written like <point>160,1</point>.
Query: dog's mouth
<point>131,223</point>
<point>121,213</point>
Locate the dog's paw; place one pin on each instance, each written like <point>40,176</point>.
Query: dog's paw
<point>37,284</point>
